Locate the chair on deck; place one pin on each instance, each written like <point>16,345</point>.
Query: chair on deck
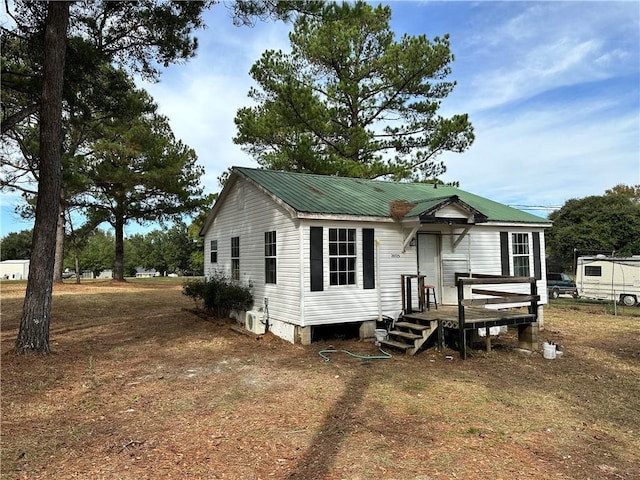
<point>430,290</point>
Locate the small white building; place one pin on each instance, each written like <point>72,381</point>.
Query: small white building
<point>146,273</point>
<point>14,269</point>
<point>322,250</point>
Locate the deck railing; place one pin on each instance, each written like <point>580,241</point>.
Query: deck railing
<point>494,298</point>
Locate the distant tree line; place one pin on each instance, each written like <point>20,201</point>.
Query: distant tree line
<point>608,223</point>
<point>176,250</point>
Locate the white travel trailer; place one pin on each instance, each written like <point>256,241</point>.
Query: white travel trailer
<point>609,278</point>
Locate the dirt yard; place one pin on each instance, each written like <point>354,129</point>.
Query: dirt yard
<point>138,387</point>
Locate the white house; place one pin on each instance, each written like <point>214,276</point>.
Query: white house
<point>14,269</point>
<point>321,250</point>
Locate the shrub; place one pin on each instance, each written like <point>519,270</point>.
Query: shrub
<point>219,294</point>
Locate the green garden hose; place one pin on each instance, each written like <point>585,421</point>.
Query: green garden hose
<point>384,355</point>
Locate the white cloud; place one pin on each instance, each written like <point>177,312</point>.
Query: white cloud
<point>546,157</point>
<point>202,97</point>
<point>545,45</point>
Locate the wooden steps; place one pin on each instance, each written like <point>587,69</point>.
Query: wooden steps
<point>413,326</point>
<point>410,336</point>
<point>393,343</point>
<point>404,335</point>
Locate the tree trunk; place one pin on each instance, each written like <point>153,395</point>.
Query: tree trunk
<point>59,262</point>
<point>33,336</point>
<point>77,259</point>
<point>118,272</point>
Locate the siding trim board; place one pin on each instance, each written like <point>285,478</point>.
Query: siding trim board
<point>368,259</point>
<point>537,261</point>
<point>316,254</point>
<point>504,253</point>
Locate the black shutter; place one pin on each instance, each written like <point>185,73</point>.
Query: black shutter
<point>537,265</point>
<point>317,283</point>
<point>504,252</point>
<point>368,259</point>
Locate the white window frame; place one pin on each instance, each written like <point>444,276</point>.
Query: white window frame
<point>235,258</point>
<point>270,257</point>
<point>343,256</point>
<point>521,250</point>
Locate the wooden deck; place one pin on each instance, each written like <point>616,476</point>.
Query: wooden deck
<point>483,309</point>
<point>447,315</point>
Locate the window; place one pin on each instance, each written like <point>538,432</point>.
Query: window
<point>270,257</point>
<point>520,245</point>
<point>214,251</point>
<point>235,258</point>
<point>342,256</point>
<point>592,271</point>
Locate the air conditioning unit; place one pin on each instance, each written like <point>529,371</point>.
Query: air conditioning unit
<point>253,322</point>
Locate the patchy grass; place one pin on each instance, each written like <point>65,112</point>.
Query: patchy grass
<point>595,306</point>
<point>139,387</point>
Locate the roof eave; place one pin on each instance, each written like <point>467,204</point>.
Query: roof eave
<point>343,217</point>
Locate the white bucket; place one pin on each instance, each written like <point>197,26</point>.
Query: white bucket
<point>381,334</point>
<point>548,351</point>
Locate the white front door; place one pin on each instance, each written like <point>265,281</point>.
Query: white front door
<point>429,260</point>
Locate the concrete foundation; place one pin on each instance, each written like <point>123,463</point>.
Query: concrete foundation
<point>528,336</point>
<point>303,335</point>
<point>541,317</point>
<point>367,330</point>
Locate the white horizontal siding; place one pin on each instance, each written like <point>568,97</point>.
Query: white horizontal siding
<point>248,213</point>
<point>452,211</point>
<point>485,258</point>
<point>352,303</point>
<point>479,252</point>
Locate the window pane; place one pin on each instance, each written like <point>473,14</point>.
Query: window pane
<point>592,271</point>
<point>270,270</point>
<point>235,269</point>
<point>333,264</point>
<point>235,247</point>
<point>342,256</point>
<point>521,266</point>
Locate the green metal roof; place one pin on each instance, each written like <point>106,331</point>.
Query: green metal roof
<point>324,194</point>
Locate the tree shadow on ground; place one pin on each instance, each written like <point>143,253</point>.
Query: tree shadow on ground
<point>339,423</point>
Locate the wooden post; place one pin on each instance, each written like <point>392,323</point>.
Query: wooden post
<point>487,339</point>
<point>528,334</point>
<point>462,337</point>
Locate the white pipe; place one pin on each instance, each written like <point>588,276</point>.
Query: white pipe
<point>377,242</point>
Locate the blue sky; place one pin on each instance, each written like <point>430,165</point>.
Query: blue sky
<point>552,89</point>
